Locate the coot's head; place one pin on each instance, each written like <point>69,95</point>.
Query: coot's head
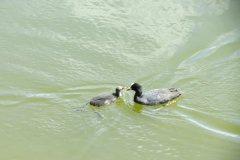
<point>118,91</point>
<point>136,87</point>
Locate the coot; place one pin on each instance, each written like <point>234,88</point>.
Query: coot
<point>155,96</point>
<point>105,99</point>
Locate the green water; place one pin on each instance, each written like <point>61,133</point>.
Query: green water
<point>56,55</point>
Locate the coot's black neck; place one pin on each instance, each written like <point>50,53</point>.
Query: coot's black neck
<point>138,93</point>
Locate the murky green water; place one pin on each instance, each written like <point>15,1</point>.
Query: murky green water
<point>56,55</point>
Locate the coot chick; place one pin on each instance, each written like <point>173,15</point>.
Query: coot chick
<point>155,96</point>
<point>105,99</point>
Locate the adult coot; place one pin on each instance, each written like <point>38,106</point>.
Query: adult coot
<point>107,98</point>
<point>155,96</point>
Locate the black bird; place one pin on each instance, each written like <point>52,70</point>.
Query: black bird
<point>155,96</point>
<point>107,98</point>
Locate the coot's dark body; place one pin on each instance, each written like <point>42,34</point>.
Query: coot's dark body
<point>155,96</point>
<point>107,98</point>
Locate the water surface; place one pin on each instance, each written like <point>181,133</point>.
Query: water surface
<point>56,55</point>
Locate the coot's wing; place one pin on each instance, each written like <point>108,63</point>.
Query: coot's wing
<point>162,95</point>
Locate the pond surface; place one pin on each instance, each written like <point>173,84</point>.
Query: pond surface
<point>56,55</point>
